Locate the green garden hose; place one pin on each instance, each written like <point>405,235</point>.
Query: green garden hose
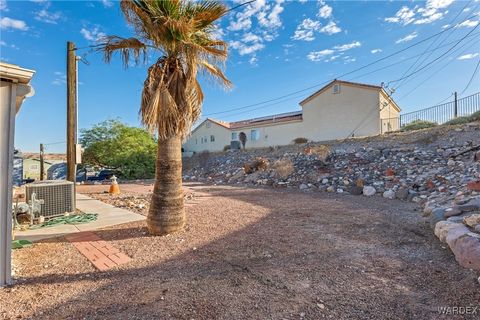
<point>73,219</point>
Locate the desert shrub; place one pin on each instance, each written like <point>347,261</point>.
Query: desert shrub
<point>226,148</point>
<point>475,116</point>
<point>283,168</point>
<point>418,124</point>
<point>322,151</point>
<point>257,164</point>
<point>459,120</point>
<point>300,140</point>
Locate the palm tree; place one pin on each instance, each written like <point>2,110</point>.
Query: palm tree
<point>182,34</point>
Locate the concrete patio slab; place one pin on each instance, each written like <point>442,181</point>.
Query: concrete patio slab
<point>108,215</point>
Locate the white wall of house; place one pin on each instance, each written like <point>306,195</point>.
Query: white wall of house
<point>13,89</point>
<point>330,115</point>
<point>389,114</point>
<point>201,138</point>
<point>271,134</point>
<point>349,109</point>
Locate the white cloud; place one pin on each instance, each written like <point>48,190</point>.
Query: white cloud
<point>244,48</point>
<point>60,78</point>
<point>334,52</point>
<point>432,11</point>
<point>348,59</point>
<point>468,56</point>
<point>3,5</point>
<point>407,38</point>
<point>331,28</point>
<point>376,51</point>
<point>306,29</point>
<point>319,55</point>
<point>250,37</point>
<point>107,3</point>
<point>467,23</point>
<point>253,60</point>
<point>325,12</point>
<point>404,16</point>
<point>6,23</point>
<point>45,16</point>
<point>445,26</point>
<point>92,35</point>
<point>348,46</point>
<point>259,21</point>
<point>429,19</point>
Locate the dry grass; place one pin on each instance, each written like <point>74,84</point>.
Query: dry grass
<point>283,168</point>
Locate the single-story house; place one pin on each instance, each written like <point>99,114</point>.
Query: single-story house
<point>339,110</point>
<point>31,163</point>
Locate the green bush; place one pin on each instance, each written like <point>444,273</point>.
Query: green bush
<point>459,120</point>
<point>226,148</point>
<point>112,144</point>
<point>300,140</point>
<point>418,124</point>
<point>462,120</point>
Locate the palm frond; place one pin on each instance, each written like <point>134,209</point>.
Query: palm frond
<point>128,48</point>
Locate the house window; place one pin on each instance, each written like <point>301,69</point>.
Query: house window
<point>212,138</point>
<point>234,136</point>
<point>254,135</point>
<point>196,141</point>
<point>201,140</point>
<point>336,88</point>
<point>205,139</point>
<point>208,124</point>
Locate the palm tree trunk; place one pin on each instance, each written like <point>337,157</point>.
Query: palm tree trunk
<point>166,214</point>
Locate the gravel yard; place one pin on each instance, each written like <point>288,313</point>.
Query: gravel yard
<point>251,253</point>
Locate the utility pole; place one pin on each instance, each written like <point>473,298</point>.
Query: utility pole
<point>71,111</point>
<point>42,162</point>
<point>455,113</point>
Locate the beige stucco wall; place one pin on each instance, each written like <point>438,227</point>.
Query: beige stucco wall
<point>334,116</point>
<point>194,141</point>
<point>389,114</point>
<point>273,134</point>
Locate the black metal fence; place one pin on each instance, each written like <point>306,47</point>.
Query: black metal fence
<point>438,114</point>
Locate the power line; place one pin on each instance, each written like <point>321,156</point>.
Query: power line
<point>437,58</point>
<point>471,78</point>
<point>434,73</point>
<point>342,75</point>
<point>434,41</point>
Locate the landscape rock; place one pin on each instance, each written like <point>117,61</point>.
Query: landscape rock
<point>369,191</point>
<point>472,220</point>
<point>402,194</point>
<point>455,232</point>
<point>442,228</point>
<point>355,190</point>
<point>389,194</point>
<point>467,252</point>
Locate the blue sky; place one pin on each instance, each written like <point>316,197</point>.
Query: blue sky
<point>276,47</point>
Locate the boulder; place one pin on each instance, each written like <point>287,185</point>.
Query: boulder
<point>369,191</point>
<point>472,220</point>
<point>389,194</point>
<point>450,212</point>
<point>442,228</point>
<point>437,216</point>
<point>454,233</point>
<point>467,252</point>
<point>355,190</point>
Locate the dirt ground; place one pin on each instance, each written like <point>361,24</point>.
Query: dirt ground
<point>254,254</point>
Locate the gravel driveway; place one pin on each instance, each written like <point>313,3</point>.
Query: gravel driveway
<point>254,254</point>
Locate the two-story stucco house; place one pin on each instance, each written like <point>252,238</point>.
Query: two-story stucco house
<point>339,110</point>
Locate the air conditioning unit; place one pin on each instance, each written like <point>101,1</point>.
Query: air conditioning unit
<point>58,197</point>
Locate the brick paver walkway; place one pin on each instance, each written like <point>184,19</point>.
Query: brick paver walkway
<point>100,253</point>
